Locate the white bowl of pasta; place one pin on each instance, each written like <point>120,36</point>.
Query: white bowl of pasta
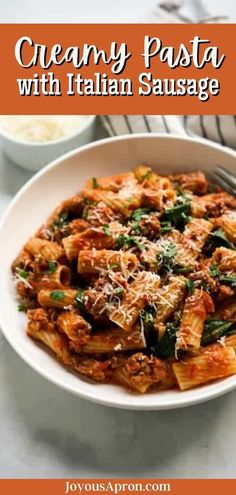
<point>131,283</point>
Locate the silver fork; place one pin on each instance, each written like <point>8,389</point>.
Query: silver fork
<point>225,179</point>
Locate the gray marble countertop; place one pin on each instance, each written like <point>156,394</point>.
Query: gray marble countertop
<point>46,432</point>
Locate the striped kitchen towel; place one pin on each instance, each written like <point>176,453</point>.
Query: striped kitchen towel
<point>221,129</point>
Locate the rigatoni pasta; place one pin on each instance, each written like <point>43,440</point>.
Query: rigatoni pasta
<point>133,281</point>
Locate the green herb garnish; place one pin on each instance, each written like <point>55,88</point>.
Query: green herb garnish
<point>61,221</point>
<point>113,266</point>
<point>57,295</point>
<point>166,259</point>
<point>119,290</point>
<point>138,214</point>
<point>51,267</point>
<point>147,175</point>
<point>106,229</point>
<point>23,273</point>
<point>169,252</point>
<point>214,271</point>
<point>125,240</point>
<point>135,227</point>
<point>79,299</point>
<point>88,201</point>
<point>22,308</point>
<point>95,183</point>
<point>147,317</point>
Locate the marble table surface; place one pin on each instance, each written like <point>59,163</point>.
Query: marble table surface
<point>46,432</point>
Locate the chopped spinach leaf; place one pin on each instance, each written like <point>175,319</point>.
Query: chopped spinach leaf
<point>214,329</point>
<point>165,348</point>
<point>106,229</point>
<point>218,238</point>
<point>166,227</point>
<point>182,269</point>
<point>147,317</point>
<point>178,215</point>
<point>229,280</point>
<point>190,287</point>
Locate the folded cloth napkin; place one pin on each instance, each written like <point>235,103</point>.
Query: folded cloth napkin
<point>221,129</point>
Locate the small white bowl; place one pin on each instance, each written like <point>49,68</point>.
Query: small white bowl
<point>34,155</point>
<point>33,204</point>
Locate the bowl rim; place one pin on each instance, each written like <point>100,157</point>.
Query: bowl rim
<point>88,120</point>
<point>199,395</point>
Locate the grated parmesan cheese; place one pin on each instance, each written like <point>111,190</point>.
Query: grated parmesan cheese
<point>41,128</point>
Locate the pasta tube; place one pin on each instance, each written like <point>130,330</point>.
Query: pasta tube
<point>230,341</point>
<point>112,183</point>
<point>40,328</point>
<point>46,249</point>
<point>196,309</point>
<point>225,259</point>
<point>60,277</point>
<point>57,298</point>
<point>228,224</point>
<point>113,340</point>
<point>149,179</point>
<point>139,293</point>
<point>168,300</point>
<point>92,238</point>
<point>123,202</point>
<point>195,182</point>
<point>192,241</point>
<point>215,362</point>
<point>74,326</point>
<point>93,261</point>
<point>141,372</point>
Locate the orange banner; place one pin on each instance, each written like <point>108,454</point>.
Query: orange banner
<point>117,69</point>
<point>117,486</point>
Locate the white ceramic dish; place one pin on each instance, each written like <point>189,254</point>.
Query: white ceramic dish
<point>35,155</point>
<point>36,200</point>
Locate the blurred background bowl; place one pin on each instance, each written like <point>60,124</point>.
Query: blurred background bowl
<point>34,155</point>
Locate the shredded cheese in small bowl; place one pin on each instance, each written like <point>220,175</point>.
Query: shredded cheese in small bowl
<point>41,128</point>
<point>33,141</point>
